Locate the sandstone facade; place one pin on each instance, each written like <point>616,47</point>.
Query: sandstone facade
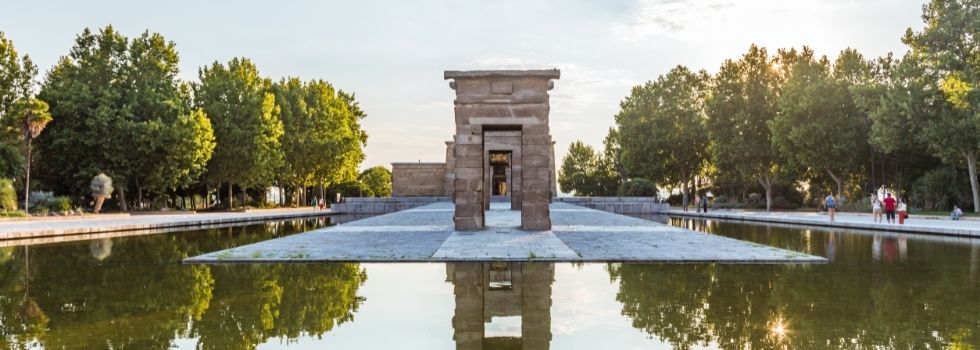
<point>418,179</point>
<point>492,108</point>
<point>502,149</point>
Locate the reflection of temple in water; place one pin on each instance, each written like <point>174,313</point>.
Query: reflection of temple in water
<point>501,305</point>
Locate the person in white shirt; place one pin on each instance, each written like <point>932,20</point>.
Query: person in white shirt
<point>876,209</point>
<point>957,213</point>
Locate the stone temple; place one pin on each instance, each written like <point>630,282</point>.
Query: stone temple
<point>502,149</point>
<point>500,160</point>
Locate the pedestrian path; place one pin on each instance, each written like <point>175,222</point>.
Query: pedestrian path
<point>89,224</point>
<point>964,228</point>
<point>578,234</point>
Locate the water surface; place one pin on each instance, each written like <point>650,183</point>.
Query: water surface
<point>878,291</point>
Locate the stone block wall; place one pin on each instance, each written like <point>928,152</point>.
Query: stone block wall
<point>418,179</point>
<point>376,205</point>
<point>619,205</point>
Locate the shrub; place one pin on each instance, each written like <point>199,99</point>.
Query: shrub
<point>637,187</point>
<point>8,196</point>
<point>941,189</point>
<point>783,203</point>
<point>60,204</point>
<point>723,202</point>
<point>350,189</point>
<point>40,198</point>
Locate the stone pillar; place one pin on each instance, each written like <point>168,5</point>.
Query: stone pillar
<point>450,169</point>
<point>504,100</point>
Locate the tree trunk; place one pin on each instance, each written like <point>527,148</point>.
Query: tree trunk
<point>139,195</point>
<point>122,199</point>
<point>766,183</point>
<point>685,190</point>
<point>840,190</point>
<point>971,164</point>
<point>98,203</point>
<point>230,197</point>
<point>27,178</point>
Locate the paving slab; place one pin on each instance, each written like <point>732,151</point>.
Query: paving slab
<point>915,223</point>
<point>578,235</point>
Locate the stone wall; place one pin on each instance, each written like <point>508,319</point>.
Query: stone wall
<point>418,179</point>
<point>619,205</point>
<point>376,205</point>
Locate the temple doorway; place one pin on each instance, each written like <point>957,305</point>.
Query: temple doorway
<point>500,174</point>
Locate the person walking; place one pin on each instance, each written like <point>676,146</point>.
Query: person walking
<point>902,212</point>
<point>697,202</point>
<point>704,202</point>
<point>831,206</point>
<point>889,207</point>
<point>876,209</point>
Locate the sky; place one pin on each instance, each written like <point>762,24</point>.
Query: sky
<point>392,54</point>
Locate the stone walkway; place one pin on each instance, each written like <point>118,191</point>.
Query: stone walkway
<point>578,234</point>
<point>963,228</point>
<point>89,224</point>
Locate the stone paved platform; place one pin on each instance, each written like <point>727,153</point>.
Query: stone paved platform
<point>578,234</point>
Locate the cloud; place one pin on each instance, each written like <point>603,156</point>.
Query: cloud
<point>718,20</point>
<point>653,17</point>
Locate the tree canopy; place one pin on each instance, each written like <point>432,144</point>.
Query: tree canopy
<point>246,123</point>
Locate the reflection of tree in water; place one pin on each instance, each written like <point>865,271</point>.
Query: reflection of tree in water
<point>21,319</point>
<point>253,303</point>
<point>928,301</point>
<point>137,295</point>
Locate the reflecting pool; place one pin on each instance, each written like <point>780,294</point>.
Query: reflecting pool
<point>879,290</point>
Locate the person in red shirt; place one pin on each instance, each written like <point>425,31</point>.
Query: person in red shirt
<point>889,208</point>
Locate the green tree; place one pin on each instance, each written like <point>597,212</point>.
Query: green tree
<point>612,150</point>
<point>119,108</point>
<point>84,91</point>
<point>18,105</point>
<point>16,75</point>
<point>32,116</point>
<point>378,179</point>
<point>322,143</point>
<point>947,47</point>
<point>586,173</point>
<point>663,121</point>
<point>247,127</point>
<point>174,140</point>
<point>741,106</point>
<point>819,126</point>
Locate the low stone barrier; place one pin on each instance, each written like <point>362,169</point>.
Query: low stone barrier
<point>619,205</point>
<point>381,205</point>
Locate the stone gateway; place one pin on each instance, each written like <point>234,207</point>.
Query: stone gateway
<point>502,150</point>
<point>502,144</point>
